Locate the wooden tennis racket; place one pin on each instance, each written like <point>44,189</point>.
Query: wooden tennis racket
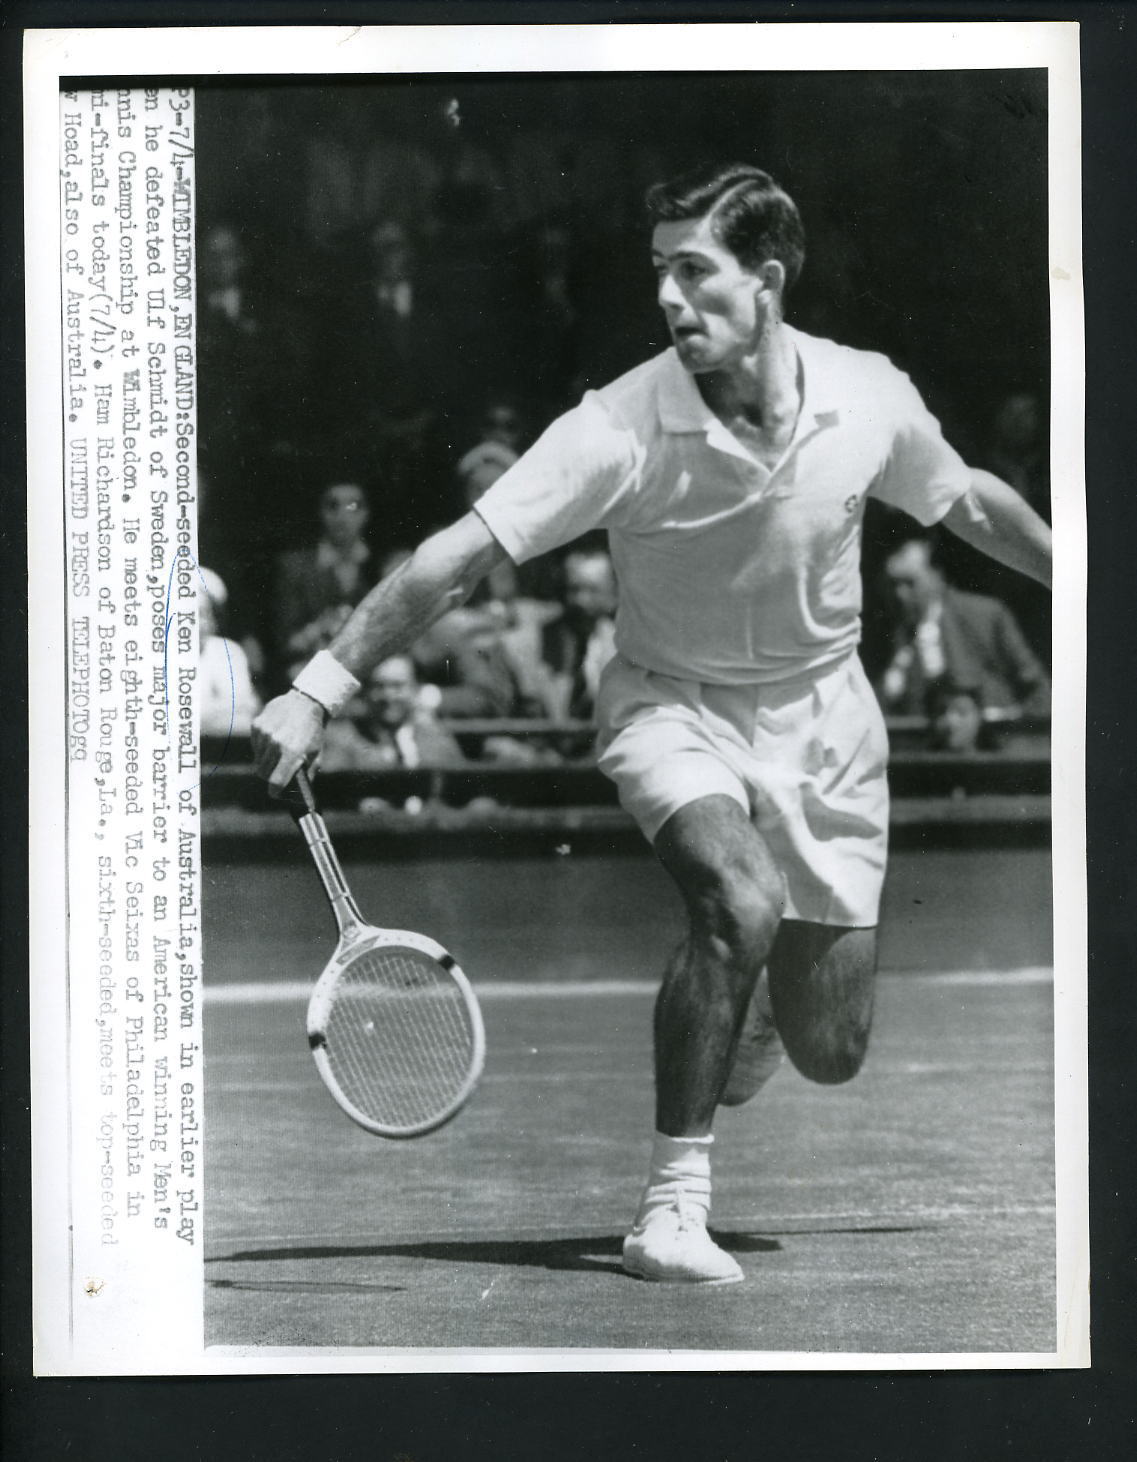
<point>393,1023</point>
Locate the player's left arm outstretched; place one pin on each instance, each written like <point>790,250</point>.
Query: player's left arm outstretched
<point>995,519</point>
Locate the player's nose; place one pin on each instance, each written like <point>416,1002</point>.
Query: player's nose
<point>670,296</point>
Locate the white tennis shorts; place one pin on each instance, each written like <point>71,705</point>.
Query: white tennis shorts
<point>806,760</point>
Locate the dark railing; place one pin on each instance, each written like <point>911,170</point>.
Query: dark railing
<point>996,793</point>
<point>1015,752</point>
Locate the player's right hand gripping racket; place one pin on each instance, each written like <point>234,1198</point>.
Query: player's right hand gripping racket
<point>393,1023</point>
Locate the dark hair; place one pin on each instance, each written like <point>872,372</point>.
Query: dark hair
<point>750,215</point>
<point>929,541</point>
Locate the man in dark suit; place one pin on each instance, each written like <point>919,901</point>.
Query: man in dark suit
<point>942,634</point>
<point>578,644</point>
<point>394,730</point>
<point>317,587</point>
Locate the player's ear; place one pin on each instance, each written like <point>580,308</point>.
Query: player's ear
<point>773,276</point>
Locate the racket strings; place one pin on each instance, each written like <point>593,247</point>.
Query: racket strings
<point>399,1037</point>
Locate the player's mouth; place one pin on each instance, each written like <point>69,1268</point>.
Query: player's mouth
<point>685,335</point>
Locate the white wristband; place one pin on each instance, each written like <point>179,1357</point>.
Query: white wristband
<point>326,681</point>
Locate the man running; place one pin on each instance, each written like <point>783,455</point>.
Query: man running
<point>731,473</point>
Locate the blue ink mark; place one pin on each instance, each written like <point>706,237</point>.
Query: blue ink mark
<point>232,699</point>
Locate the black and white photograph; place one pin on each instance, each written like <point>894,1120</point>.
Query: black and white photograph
<point>602,548</point>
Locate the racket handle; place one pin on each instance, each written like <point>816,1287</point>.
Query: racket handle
<point>298,796</point>
<point>301,803</point>
<point>305,786</point>
<point>344,907</point>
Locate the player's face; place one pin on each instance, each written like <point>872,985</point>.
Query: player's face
<point>501,425</point>
<point>957,725</point>
<point>222,257</point>
<point>715,307</point>
<point>391,693</point>
<point>344,514</point>
<point>914,584</point>
<point>589,587</point>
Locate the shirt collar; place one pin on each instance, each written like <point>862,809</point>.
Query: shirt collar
<point>682,408</point>
<point>822,397</point>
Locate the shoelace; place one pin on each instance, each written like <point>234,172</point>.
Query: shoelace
<point>690,1214</point>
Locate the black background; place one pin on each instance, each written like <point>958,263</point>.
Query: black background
<point>981,1415</point>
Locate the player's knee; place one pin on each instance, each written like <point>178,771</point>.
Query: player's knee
<point>828,1056</point>
<point>737,909</point>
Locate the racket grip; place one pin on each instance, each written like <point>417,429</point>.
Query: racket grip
<point>298,796</point>
<point>302,782</point>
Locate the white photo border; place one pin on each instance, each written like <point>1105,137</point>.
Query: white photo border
<point>331,52</point>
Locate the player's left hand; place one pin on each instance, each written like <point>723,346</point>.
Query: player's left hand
<point>287,735</point>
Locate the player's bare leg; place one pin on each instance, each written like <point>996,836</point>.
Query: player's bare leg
<point>826,981</point>
<point>734,898</point>
<point>759,1052</point>
<point>734,901</point>
<point>822,983</point>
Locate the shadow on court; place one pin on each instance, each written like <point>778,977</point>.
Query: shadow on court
<point>587,1254</point>
<point>306,1286</point>
<point>583,1254</point>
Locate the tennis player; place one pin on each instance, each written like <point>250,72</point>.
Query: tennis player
<point>731,473</point>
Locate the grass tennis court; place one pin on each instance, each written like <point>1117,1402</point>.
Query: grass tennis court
<point>912,1210</point>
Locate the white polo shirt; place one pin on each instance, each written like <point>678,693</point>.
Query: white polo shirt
<point>730,573</point>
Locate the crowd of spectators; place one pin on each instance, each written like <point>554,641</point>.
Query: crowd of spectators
<point>337,428</point>
<point>512,679</point>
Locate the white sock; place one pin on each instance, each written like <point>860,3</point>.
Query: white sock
<point>679,1166</point>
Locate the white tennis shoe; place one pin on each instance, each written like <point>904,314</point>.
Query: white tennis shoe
<point>671,1244</point>
<point>760,1051</point>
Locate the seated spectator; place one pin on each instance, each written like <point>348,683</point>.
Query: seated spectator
<point>455,660</point>
<point>521,621</point>
<point>480,467</point>
<point>393,730</point>
<point>943,633</point>
<point>578,644</point>
<point>517,623</point>
<point>318,587</point>
<point>227,699</point>
<point>501,439</point>
<point>955,721</point>
<point>482,661</point>
<point>502,423</point>
<point>517,618</point>
<point>483,658</point>
<point>467,671</point>
<point>499,444</point>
